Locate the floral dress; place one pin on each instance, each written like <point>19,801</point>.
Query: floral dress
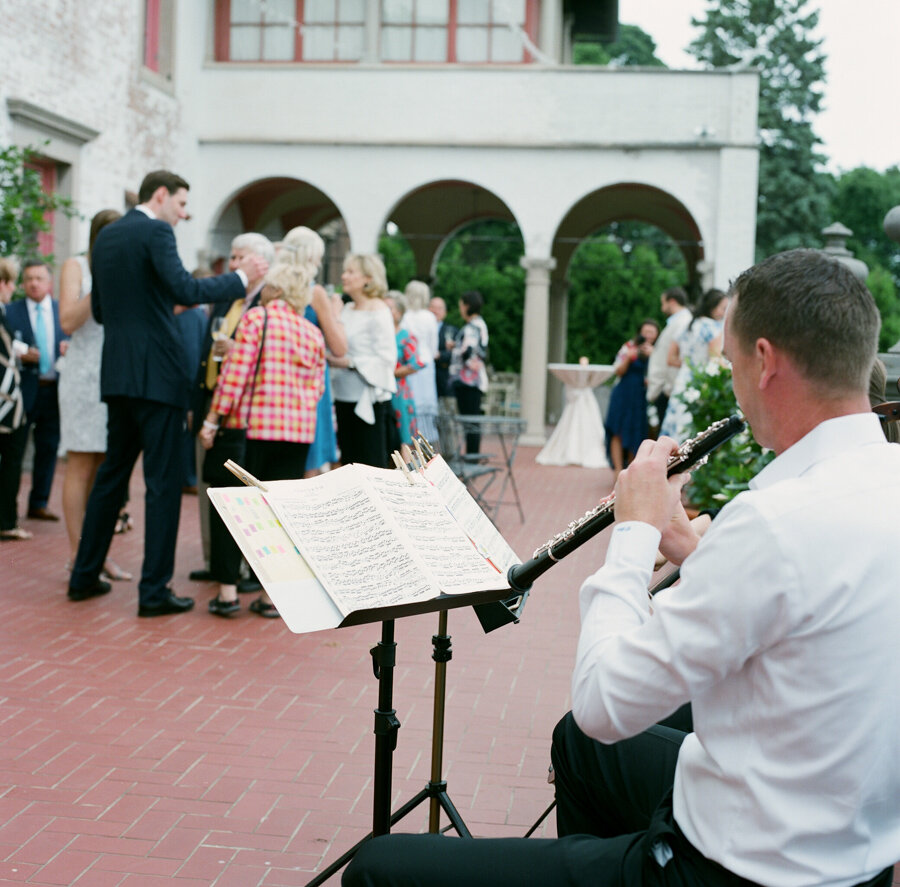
<point>403,402</point>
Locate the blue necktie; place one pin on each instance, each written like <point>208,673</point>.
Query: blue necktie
<point>40,339</point>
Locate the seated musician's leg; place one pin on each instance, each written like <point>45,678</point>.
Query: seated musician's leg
<point>440,861</point>
<point>609,790</point>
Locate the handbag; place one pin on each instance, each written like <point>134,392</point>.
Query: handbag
<point>231,443</point>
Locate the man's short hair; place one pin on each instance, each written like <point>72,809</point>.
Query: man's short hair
<point>258,244</point>
<point>677,294</point>
<point>160,178</point>
<point>816,310</point>
<point>36,263</point>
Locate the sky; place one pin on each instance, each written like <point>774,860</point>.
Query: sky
<point>860,123</point>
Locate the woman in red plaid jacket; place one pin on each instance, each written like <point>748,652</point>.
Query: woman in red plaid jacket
<point>277,406</point>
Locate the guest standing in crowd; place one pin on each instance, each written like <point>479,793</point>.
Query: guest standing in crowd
<point>694,348</point>
<point>138,279</point>
<point>13,428</point>
<point>304,246</point>
<point>661,376</point>
<point>468,366</point>
<point>363,379</point>
<point>446,338</point>
<point>36,321</point>
<point>218,340</point>
<point>405,425</point>
<point>81,411</point>
<point>626,417</point>
<point>275,402</point>
<point>423,326</point>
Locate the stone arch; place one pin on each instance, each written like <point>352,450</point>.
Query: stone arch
<point>274,205</point>
<point>623,201</point>
<point>430,214</point>
<point>629,201</point>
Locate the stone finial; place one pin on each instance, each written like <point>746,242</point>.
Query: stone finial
<point>836,236</point>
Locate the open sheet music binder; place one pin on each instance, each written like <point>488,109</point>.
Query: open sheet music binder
<point>362,544</point>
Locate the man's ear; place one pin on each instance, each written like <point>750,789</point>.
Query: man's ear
<point>767,361</point>
<point>160,194</point>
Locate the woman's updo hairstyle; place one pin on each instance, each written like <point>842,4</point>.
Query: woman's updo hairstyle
<point>293,281</point>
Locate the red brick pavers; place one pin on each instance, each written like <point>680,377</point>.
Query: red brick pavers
<point>195,750</point>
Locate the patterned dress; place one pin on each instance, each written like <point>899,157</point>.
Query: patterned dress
<point>403,401</point>
<point>693,348</point>
<point>82,414</point>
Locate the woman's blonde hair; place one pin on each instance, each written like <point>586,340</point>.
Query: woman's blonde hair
<point>9,269</point>
<point>292,281</point>
<point>302,246</point>
<point>417,294</point>
<point>370,266</point>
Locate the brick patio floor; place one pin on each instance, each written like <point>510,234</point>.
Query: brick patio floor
<point>201,751</point>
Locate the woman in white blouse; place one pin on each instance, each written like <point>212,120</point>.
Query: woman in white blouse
<point>362,380</point>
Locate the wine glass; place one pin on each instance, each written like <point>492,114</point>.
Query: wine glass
<point>217,331</point>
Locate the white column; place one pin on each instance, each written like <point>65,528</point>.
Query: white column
<point>534,347</point>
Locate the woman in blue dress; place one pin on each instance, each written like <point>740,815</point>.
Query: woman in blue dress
<point>324,311</point>
<point>626,417</point>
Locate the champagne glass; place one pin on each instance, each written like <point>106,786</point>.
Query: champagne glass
<point>218,334</point>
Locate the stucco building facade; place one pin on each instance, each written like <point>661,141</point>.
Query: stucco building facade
<point>429,122</point>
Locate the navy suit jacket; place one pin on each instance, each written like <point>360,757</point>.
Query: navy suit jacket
<point>138,278</point>
<point>19,321</point>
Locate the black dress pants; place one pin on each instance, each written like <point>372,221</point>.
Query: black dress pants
<point>44,422</point>
<point>361,442</point>
<point>134,426</point>
<point>468,403</point>
<point>614,816</point>
<point>12,449</point>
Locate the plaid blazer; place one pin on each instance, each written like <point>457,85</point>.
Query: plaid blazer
<point>290,381</point>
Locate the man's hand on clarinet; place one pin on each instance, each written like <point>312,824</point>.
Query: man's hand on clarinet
<point>644,492</point>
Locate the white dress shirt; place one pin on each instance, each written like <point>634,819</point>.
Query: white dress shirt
<point>784,635</point>
<point>661,376</point>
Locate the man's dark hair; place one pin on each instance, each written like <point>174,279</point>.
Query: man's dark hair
<point>815,309</point>
<point>677,294</point>
<point>35,263</point>
<point>473,300</point>
<point>160,178</point>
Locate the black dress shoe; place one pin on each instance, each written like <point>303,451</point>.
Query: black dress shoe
<point>249,584</point>
<point>43,513</point>
<point>171,603</point>
<point>203,575</point>
<point>89,591</point>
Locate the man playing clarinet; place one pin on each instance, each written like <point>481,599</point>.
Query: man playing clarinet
<point>784,769</point>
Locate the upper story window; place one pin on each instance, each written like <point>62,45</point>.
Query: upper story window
<point>437,31</point>
<point>468,31</point>
<point>290,30</point>
<point>158,37</point>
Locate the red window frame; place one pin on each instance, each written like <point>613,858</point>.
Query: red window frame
<point>222,37</point>
<point>49,183</point>
<point>151,34</point>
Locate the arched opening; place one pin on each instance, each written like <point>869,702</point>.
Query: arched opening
<point>272,207</point>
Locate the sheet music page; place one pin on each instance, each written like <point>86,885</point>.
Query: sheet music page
<point>440,542</point>
<point>351,543</point>
<point>469,515</point>
<point>302,601</point>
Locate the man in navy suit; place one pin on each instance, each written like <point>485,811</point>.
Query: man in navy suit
<point>138,279</point>
<point>36,320</point>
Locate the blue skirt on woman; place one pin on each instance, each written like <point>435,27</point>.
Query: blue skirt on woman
<point>323,449</point>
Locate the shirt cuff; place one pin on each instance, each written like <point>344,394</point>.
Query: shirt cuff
<point>634,543</point>
<point>243,276</point>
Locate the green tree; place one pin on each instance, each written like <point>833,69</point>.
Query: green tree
<point>861,199</point>
<point>614,284</point>
<point>485,257</point>
<point>24,204</point>
<point>774,36</point>
<point>399,261</point>
<point>634,47</point>
<point>884,291</point>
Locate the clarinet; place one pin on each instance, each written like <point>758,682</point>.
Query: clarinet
<point>691,454</point>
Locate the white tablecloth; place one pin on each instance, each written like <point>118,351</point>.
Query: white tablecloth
<point>578,438</point>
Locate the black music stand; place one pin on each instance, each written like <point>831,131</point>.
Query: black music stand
<point>387,724</point>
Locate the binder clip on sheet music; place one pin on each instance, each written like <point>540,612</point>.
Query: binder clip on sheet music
<point>359,544</point>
